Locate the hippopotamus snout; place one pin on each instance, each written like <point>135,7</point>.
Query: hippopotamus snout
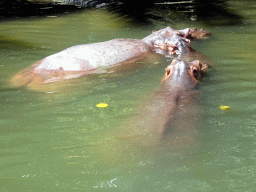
<point>198,34</point>
<point>180,73</point>
<point>174,44</point>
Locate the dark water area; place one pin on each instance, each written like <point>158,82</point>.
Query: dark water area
<point>212,12</point>
<point>22,9</point>
<point>57,139</point>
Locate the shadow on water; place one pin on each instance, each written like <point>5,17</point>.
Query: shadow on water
<point>212,12</point>
<point>15,9</point>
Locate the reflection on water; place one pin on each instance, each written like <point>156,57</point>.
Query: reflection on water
<point>56,140</point>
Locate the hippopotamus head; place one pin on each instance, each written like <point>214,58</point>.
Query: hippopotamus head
<point>166,32</point>
<point>177,44</point>
<point>174,44</point>
<point>188,33</point>
<point>157,38</point>
<point>171,40</point>
<point>183,74</point>
<point>194,33</point>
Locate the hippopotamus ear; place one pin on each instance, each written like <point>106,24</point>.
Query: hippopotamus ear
<point>196,63</point>
<point>204,67</point>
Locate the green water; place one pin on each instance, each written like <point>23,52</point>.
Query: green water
<point>58,140</point>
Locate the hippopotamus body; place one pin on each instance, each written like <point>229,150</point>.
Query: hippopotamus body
<point>174,103</point>
<point>166,124</point>
<point>85,59</point>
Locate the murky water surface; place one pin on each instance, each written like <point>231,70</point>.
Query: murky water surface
<point>57,139</point>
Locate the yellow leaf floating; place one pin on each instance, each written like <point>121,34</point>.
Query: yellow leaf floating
<point>224,108</point>
<point>102,105</point>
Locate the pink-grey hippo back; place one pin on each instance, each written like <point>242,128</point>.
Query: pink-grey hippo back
<point>91,56</point>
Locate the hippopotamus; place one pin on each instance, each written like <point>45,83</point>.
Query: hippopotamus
<point>173,103</point>
<point>188,33</point>
<point>79,60</point>
<point>165,123</point>
<point>179,47</point>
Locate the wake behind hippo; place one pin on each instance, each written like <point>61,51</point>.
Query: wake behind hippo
<point>90,58</point>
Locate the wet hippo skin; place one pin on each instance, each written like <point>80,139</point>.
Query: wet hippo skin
<point>79,60</point>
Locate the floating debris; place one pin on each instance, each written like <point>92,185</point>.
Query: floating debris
<point>102,105</point>
<point>224,108</point>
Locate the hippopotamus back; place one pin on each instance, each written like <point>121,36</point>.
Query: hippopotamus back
<point>91,56</point>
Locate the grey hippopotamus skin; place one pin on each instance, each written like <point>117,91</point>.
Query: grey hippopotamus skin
<point>79,60</point>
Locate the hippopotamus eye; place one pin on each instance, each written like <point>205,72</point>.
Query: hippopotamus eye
<point>196,73</point>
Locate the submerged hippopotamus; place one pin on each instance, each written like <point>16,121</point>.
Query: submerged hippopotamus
<point>167,123</point>
<point>85,59</point>
<point>174,104</point>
